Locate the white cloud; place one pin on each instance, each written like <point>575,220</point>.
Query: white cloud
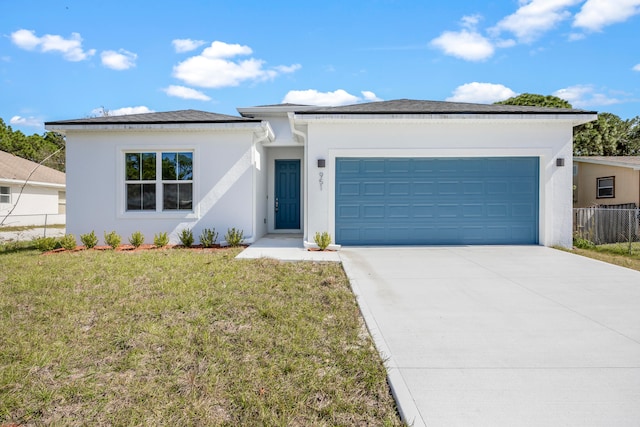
<point>214,68</point>
<point>26,121</point>
<point>25,39</point>
<point>467,45</point>
<point>121,111</point>
<point>186,45</point>
<point>582,96</point>
<point>335,98</point>
<point>121,60</point>
<point>370,96</point>
<point>286,69</point>
<point>481,93</point>
<point>596,14</point>
<point>471,21</point>
<point>636,67</point>
<point>185,93</point>
<point>220,49</point>
<point>71,48</point>
<point>534,18</point>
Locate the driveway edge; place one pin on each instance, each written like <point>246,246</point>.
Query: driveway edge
<point>407,407</point>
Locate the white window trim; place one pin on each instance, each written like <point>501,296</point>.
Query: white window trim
<point>600,187</point>
<point>5,195</point>
<point>120,184</point>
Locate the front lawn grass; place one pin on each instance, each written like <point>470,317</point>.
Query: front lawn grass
<point>614,253</point>
<point>178,337</point>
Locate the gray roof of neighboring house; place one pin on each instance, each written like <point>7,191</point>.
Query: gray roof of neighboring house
<point>181,116</point>
<point>632,162</point>
<point>16,168</point>
<point>411,106</point>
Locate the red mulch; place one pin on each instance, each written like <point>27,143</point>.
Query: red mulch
<point>142,248</point>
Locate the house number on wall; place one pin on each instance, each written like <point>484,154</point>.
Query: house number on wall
<point>320,179</point>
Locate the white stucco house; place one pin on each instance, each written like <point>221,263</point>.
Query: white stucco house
<point>391,172</point>
<point>30,194</point>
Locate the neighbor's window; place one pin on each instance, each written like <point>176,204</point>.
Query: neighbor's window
<point>159,181</point>
<point>606,187</point>
<point>5,194</point>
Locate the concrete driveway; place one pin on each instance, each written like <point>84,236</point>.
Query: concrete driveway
<point>503,336</point>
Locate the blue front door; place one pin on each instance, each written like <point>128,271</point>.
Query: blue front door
<point>287,194</point>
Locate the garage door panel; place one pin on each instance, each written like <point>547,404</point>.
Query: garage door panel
<point>422,188</point>
<point>349,166</point>
<point>523,210</point>
<point>348,188</point>
<point>399,166</point>
<point>373,189</point>
<point>496,210</point>
<point>475,211</point>
<point>399,188</point>
<point>373,212</point>
<point>399,211</point>
<point>346,212</point>
<point>373,166</point>
<point>437,201</point>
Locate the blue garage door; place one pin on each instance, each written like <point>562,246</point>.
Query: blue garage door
<point>437,201</point>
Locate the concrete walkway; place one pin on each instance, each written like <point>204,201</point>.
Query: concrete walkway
<point>503,336</point>
<point>285,247</point>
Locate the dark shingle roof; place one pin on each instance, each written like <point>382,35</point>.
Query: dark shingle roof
<point>410,106</point>
<point>17,168</point>
<point>181,116</point>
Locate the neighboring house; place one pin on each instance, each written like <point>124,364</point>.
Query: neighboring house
<point>606,180</point>
<point>391,172</point>
<point>40,201</point>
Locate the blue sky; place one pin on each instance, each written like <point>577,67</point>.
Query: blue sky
<point>68,59</point>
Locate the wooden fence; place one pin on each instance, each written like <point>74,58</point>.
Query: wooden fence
<point>607,225</point>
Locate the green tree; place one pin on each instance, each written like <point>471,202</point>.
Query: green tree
<point>633,140</point>
<point>34,147</point>
<point>534,100</point>
<point>607,136</point>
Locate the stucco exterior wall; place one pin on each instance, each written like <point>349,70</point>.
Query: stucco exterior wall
<point>627,185</point>
<point>32,206</point>
<point>224,177</point>
<point>451,138</point>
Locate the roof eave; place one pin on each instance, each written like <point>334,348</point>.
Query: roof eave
<point>603,162</point>
<point>227,125</point>
<point>574,118</point>
<point>32,183</point>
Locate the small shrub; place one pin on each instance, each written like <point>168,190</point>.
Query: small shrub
<point>208,237</point>
<point>89,240</point>
<point>323,240</point>
<point>136,239</point>
<point>186,237</point>
<point>112,239</point>
<point>234,237</point>
<point>582,243</point>
<point>68,242</point>
<point>160,240</point>
<point>46,244</point>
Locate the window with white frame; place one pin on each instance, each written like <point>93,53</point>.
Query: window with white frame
<point>606,187</point>
<point>159,181</point>
<point>5,194</point>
